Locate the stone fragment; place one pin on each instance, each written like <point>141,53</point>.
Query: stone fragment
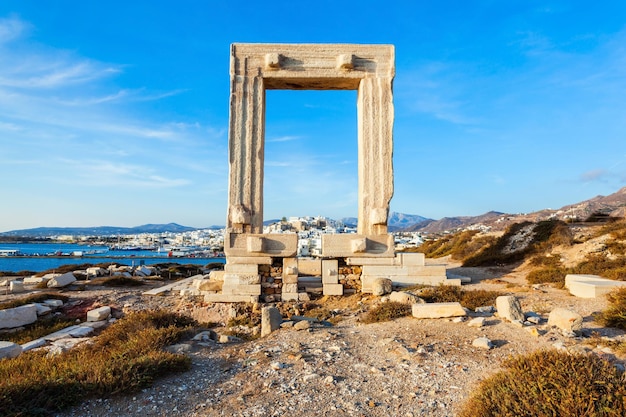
<point>270,320</point>
<point>310,377</point>
<point>404,298</point>
<point>18,316</point>
<point>98,314</point>
<point>34,280</point>
<point>381,286</point>
<point>304,296</point>
<point>509,308</point>
<point>485,310</point>
<point>205,336</point>
<point>82,331</point>
<point>61,281</point>
<point>437,310</point>
<point>42,309</point>
<point>16,287</point>
<point>566,320</point>
<point>302,325</point>
<point>225,338</point>
<point>33,344</point>
<point>483,343</point>
<point>476,322</point>
<point>53,303</point>
<point>10,350</point>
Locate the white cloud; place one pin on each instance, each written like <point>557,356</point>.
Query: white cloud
<point>12,28</point>
<point>287,138</point>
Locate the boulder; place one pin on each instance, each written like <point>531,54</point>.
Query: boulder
<point>405,298</point>
<point>509,308</point>
<point>566,320</point>
<point>381,286</point>
<point>476,322</point>
<point>18,316</point>
<point>61,280</point>
<point>98,314</point>
<point>270,320</point>
<point>10,350</point>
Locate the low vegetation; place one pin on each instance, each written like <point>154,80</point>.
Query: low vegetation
<point>470,299</point>
<point>615,313</point>
<point>121,281</point>
<point>33,298</point>
<point>42,327</point>
<point>126,357</point>
<point>386,312</point>
<point>551,383</point>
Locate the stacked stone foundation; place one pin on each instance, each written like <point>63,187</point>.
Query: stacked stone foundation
<point>282,279</point>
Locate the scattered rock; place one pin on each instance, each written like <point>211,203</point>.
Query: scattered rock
<point>10,350</point>
<point>99,314</point>
<point>16,287</point>
<point>437,310</point>
<point>566,320</point>
<point>302,325</point>
<point>11,318</point>
<point>483,343</point>
<point>381,286</point>
<point>270,320</point>
<point>61,281</point>
<point>476,322</point>
<point>485,310</point>
<point>405,298</point>
<point>509,308</point>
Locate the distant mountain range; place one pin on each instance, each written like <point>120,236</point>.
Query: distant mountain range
<point>613,205</point>
<point>101,230</point>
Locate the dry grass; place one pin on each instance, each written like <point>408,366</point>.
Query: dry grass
<point>467,298</point>
<point>127,356</point>
<point>386,312</point>
<point>42,327</point>
<point>34,298</point>
<point>551,383</point>
<point>615,313</point>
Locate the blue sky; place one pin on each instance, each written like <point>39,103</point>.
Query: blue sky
<point>116,112</point>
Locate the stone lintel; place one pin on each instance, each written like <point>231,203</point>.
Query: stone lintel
<point>340,246</point>
<point>274,245</point>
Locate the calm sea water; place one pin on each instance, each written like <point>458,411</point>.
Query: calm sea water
<point>53,255</point>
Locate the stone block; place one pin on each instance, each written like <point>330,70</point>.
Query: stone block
<point>54,303</point>
<point>332,289</point>
<point>61,281</point>
<point>590,286</point>
<point>259,260</point>
<point>249,269</point>
<point>11,318</point>
<point>565,319</point>
<point>33,280</point>
<point>395,261</point>
<point>82,331</point>
<point>241,289</point>
<point>241,279</point>
<point>209,285</point>
<point>312,267</point>
<point>33,344</point>
<point>230,298</point>
<point>412,259</point>
<point>330,273</point>
<point>16,287</point>
<point>290,288</point>
<point>270,320</point>
<point>9,350</point>
<point>358,245</point>
<point>290,279</point>
<point>272,245</point>
<point>216,275</point>
<point>438,310</point>
<point>509,308</point>
<point>42,309</point>
<point>290,296</point>
<point>341,246</point>
<point>98,314</point>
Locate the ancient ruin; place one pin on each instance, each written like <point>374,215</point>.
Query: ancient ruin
<point>266,265</point>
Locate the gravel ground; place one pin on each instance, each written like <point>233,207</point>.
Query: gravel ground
<point>406,367</point>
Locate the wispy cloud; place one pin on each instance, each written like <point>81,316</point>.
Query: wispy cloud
<point>287,138</point>
<point>12,28</point>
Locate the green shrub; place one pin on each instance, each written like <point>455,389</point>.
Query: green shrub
<point>550,383</point>
<point>126,357</point>
<point>615,313</point>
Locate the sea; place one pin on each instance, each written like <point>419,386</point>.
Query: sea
<point>38,257</point>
